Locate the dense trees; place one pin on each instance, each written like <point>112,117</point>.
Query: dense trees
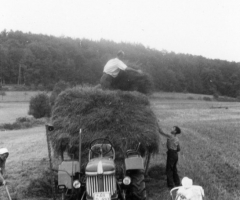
<point>41,61</point>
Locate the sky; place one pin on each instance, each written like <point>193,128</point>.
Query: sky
<point>209,28</point>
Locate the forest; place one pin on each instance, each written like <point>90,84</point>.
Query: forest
<point>40,61</point>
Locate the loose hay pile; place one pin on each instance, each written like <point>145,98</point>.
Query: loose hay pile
<point>125,118</point>
<point>132,81</point>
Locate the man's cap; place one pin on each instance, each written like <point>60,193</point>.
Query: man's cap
<point>177,129</point>
<point>120,53</point>
<point>187,182</point>
<point>3,150</point>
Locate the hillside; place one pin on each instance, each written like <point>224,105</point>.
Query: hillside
<point>39,61</point>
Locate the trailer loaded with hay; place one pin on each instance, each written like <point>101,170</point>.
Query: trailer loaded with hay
<point>110,136</point>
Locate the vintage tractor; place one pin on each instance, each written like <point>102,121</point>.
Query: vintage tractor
<point>102,178</point>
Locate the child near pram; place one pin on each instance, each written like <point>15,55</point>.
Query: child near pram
<point>188,191</point>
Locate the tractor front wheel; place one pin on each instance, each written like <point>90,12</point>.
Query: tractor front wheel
<point>137,190</point>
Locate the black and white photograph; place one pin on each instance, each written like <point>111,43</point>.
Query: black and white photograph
<point>119,99</point>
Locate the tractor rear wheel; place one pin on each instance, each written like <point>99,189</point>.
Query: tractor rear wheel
<point>137,190</point>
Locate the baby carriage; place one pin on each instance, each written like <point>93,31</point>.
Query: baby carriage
<point>187,191</point>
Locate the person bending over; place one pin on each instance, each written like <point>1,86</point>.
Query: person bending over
<point>3,157</point>
<point>112,69</point>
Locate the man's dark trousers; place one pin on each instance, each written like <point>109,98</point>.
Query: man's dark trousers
<point>171,169</point>
<point>106,81</point>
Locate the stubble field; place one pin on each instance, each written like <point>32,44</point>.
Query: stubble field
<point>209,144</point>
<point>210,150</point>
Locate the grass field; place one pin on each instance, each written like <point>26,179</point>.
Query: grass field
<point>10,111</point>
<point>209,141</point>
<point>210,145</point>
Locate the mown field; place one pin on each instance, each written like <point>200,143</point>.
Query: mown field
<point>209,141</point>
<point>14,105</point>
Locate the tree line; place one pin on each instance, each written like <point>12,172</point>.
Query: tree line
<point>42,61</point>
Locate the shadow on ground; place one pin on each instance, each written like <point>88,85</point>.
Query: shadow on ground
<point>156,183</point>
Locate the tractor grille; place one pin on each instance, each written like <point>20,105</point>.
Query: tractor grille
<point>101,183</point>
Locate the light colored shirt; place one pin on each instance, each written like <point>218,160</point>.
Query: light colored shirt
<point>193,193</point>
<point>173,143</point>
<point>113,67</point>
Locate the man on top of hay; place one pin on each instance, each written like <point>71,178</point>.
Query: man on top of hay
<point>112,69</point>
<point>173,147</point>
<point>3,157</point>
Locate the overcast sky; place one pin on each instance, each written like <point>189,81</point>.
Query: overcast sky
<point>210,28</point>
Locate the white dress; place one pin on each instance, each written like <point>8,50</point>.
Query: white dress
<point>192,193</point>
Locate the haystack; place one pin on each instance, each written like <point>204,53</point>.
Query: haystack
<point>125,118</point>
<point>132,81</point>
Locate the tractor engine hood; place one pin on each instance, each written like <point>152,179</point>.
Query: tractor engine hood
<point>100,166</point>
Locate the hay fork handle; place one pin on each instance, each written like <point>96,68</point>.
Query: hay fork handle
<point>8,192</point>
<point>6,188</point>
<point>48,129</point>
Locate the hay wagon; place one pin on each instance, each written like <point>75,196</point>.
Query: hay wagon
<point>111,152</point>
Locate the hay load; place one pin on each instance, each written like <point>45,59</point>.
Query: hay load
<point>132,81</point>
<point>123,117</point>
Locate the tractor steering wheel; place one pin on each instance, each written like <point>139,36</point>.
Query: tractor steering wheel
<point>101,142</point>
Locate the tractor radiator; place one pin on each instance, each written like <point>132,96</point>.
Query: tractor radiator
<point>101,183</point>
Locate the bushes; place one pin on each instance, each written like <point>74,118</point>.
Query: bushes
<point>190,98</point>
<point>40,106</point>
<point>21,123</point>
<point>227,99</point>
<point>207,99</point>
<point>9,126</point>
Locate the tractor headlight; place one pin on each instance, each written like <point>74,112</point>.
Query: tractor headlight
<point>127,180</point>
<point>76,184</point>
